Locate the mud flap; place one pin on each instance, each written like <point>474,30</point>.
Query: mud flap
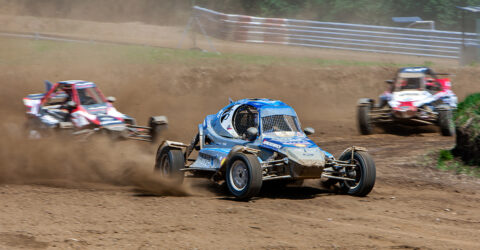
<point>157,125</point>
<point>352,150</point>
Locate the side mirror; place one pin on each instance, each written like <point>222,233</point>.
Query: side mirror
<point>309,131</point>
<point>111,99</point>
<point>252,133</point>
<point>71,104</point>
<point>389,81</point>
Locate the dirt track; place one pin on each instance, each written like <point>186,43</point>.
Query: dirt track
<point>50,201</point>
<point>410,207</point>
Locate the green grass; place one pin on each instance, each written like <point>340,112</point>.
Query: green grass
<point>445,161</point>
<point>445,155</point>
<point>469,106</point>
<point>31,51</point>
<point>469,111</point>
<point>165,55</point>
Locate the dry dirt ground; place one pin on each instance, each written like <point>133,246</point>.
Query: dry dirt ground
<point>410,207</point>
<point>56,194</point>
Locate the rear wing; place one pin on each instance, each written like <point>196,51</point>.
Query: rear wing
<point>34,97</point>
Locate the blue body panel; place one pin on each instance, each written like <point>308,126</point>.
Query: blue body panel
<point>210,158</point>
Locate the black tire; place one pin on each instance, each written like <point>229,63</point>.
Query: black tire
<point>364,173</point>
<point>168,163</point>
<point>363,118</point>
<point>244,176</point>
<point>445,121</point>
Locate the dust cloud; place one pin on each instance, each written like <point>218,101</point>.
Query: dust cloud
<point>62,161</point>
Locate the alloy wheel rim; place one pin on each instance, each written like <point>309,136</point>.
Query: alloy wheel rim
<point>239,175</point>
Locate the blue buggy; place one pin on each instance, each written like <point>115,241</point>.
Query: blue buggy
<point>252,141</point>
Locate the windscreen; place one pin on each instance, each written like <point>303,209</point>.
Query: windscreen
<point>409,83</point>
<point>279,123</point>
<point>89,96</point>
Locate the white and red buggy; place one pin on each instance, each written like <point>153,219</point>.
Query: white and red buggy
<point>416,97</point>
<point>80,108</point>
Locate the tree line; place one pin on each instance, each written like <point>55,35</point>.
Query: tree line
<point>375,12</point>
<point>176,12</point>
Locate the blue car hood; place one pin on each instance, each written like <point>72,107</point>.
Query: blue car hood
<point>299,149</point>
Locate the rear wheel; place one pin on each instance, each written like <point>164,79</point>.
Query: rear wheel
<point>364,174</point>
<point>169,163</point>
<point>244,176</point>
<point>363,118</point>
<point>445,121</point>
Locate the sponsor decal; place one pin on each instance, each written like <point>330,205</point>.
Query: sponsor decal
<point>298,143</point>
<point>271,144</point>
<point>104,120</point>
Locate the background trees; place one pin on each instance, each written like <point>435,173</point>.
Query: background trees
<point>176,12</point>
<point>377,12</point>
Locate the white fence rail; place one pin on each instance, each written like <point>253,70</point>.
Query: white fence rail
<point>344,36</point>
<point>61,38</point>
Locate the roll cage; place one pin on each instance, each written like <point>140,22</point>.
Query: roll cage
<point>89,95</point>
<point>245,116</point>
<point>416,81</point>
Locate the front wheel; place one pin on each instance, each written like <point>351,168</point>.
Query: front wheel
<point>169,162</point>
<point>364,174</point>
<point>363,118</point>
<point>244,176</point>
<point>445,121</point>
